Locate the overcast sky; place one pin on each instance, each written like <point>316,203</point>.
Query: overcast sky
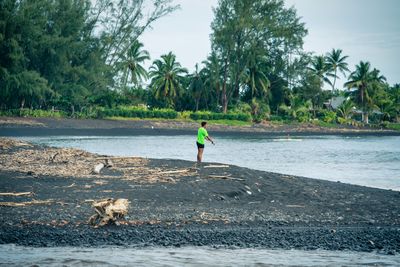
<point>366,30</point>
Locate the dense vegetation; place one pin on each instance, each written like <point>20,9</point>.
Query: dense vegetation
<point>93,66</point>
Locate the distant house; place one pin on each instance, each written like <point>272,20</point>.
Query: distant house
<point>335,102</point>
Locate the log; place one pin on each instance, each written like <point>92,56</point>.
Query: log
<point>216,166</point>
<point>127,157</point>
<point>225,177</point>
<point>97,168</point>
<point>16,194</point>
<point>26,203</point>
<point>171,172</point>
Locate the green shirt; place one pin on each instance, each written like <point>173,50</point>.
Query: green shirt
<point>201,135</point>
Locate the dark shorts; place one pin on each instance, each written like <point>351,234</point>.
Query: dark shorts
<point>199,145</point>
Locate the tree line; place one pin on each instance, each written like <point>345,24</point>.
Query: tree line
<point>257,64</point>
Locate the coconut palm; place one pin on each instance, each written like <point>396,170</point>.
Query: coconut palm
<point>256,79</point>
<point>345,109</point>
<point>297,108</point>
<point>166,76</point>
<point>320,69</point>
<point>196,86</point>
<point>362,79</point>
<point>336,62</point>
<point>132,64</point>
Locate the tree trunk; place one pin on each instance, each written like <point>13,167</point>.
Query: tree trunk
<point>334,82</point>
<point>224,96</point>
<point>224,100</point>
<point>23,103</point>
<point>197,104</point>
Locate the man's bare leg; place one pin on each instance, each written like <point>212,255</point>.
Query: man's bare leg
<point>200,155</point>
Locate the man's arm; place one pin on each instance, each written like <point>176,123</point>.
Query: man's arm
<point>209,139</point>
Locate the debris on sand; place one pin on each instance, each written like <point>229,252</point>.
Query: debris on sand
<point>27,203</point>
<point>6,143</point>
<point>16,194</point>
<point>69,162</point>
<point>109,211</point>
<point>216,166</point>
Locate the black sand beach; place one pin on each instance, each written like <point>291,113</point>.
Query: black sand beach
<point>14,126</point>
<point>175,203</point>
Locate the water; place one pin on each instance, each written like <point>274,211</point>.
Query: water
<point>11,255</point>
<point>370,160</point>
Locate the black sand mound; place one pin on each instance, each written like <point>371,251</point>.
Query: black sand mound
<point>215,205</point>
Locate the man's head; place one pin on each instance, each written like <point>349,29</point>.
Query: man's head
<point>203,124</point>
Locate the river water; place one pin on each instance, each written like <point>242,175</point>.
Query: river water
<point>369,160</point>
<point>187,256</point>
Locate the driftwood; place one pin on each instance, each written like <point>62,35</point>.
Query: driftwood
<point>16,194</point>
<point>97,168</point>
<point>225,177</point>
<point>26,203</point>
<point>127,157</point>
<point>216,166</point>
<point>109,211</point>
<point>172,172</point>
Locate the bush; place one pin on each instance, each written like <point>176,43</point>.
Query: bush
<point>37,113</point>
<point>327,116</point>
<point>137,112</point>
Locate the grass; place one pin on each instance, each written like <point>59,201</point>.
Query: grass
<point>394,126</point>
<point>223,122</point>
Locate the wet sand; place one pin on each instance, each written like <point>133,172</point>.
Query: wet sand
<point>175,203</point>
<point>14,126</point>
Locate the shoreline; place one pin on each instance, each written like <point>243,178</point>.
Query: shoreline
<point>89,127</point>
<point>174,203</point>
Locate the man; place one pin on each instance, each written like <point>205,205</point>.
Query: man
<point>201,136</point>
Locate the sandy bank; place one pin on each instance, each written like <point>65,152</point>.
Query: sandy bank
<point>175,203</point>
<point>50,126</point>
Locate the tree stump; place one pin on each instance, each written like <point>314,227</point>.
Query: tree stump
<point>109,211</point>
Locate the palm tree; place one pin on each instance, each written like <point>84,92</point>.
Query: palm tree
<point>132,64</point>
<point>297,108</point>
<point>320,69</point>
<point>345,109</point>
<point>256,78</point>
<point>166,77</point>
<point>362,78</point>
<point>336,62</point>
<point>196,86</point>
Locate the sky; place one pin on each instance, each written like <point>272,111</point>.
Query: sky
<point>367,30</point>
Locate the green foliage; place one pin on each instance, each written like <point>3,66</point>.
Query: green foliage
<point>206,115</point>
<point>393,126</point>
<point>137,112</point>
<point>345,110</point>
<point>253,41</point>
<point>167,78</point>
<point>342,120</point>
<point>327,116</point>
<point>92,66</point>
<point>36,113</point>
<point>298,109</point>
<point>230,122</point>
<point>325,124</point>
